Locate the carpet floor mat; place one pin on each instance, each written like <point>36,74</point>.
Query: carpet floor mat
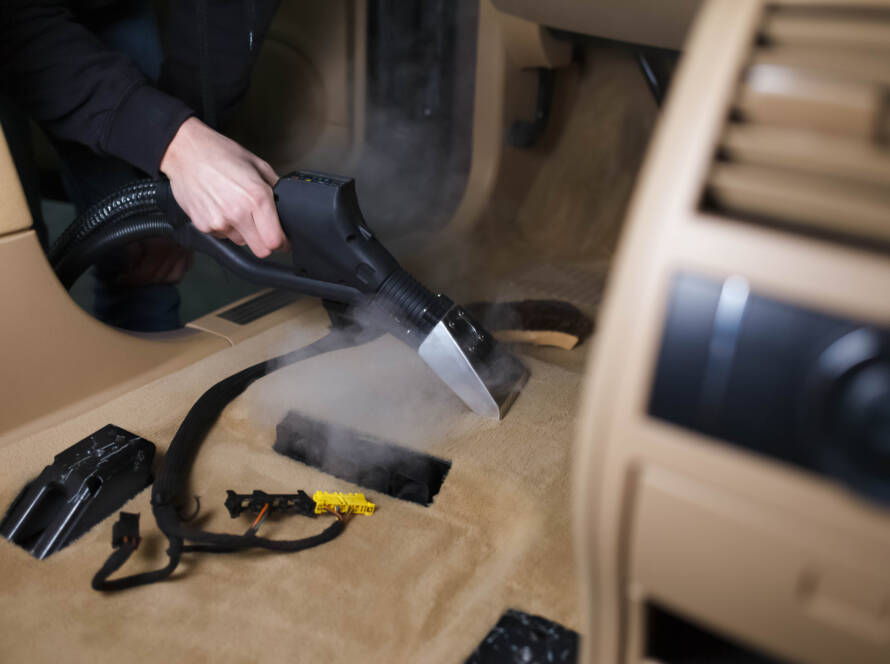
<point>407,584</point>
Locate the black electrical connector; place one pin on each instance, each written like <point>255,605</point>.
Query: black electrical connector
<point>85,484</point>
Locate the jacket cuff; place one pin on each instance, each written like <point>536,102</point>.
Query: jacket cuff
<point>143,125</point>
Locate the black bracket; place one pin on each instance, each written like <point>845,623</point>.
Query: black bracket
<point>85,484</point>
<point>525,134</point>
<point>281,503</point>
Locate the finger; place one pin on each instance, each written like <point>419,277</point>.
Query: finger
<point>248,231</point>
<point>268,173</point>
<point>232,234</point>
<point>265,217</point>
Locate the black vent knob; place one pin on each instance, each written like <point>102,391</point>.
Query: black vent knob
<point>850,404</point>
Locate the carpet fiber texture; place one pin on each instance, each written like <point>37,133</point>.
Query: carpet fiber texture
<point>408,584</point>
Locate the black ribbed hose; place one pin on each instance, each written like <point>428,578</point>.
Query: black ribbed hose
<point>105,240</point>
<point>139,198</point>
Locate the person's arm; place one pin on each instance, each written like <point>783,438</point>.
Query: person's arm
<point>226,190</point>
<point>79,90</point>
<point>223,188</point>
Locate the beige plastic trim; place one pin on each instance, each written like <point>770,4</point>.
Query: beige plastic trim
<point>852,65</point>
<point>809,152</point>
<point>654,22</point>
<point>506,46</point>
<point>804,30</point>
<point>234,333</point>
<point>312,69</point>
<point>785,561</point>
<point>57,359</point>
<point>489,102</point>
<point>14,213</point>
<point>818,5</point>
<point>530,45</point>
<point>786,97</point>
<point>803,200</point>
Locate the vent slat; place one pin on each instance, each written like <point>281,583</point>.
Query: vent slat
<point>808,152</point>
<point>806,147</point>
<point>807,30</point>
<point>808,202</point>
<point>786,97</point>
<point>840,8</point>
<point>831,63</point>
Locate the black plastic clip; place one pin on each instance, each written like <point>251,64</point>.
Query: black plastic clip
<point>85,484</point>
<point>281,503</point>
<point>523,133</point>
<point>126,531</point>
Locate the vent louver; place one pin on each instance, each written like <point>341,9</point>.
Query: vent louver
<point>807,145</point>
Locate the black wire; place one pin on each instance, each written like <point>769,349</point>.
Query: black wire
<point>180,456</point>
<point>656,86</point>
<point>104,241</point>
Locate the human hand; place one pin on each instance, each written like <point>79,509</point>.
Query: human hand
<point>224,189</point>
<point>155,261</point>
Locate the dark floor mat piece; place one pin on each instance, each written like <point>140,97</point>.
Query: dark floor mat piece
<point>361,459</point>
<point>542,322</point>
<point>520,638</point>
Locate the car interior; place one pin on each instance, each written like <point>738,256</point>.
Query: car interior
<point>696,468</point>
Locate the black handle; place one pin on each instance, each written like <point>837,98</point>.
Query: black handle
<point>250,268</point>
<point>329,262</point>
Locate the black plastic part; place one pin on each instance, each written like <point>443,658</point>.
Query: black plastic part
<point>137,198</point>
<point>329,237</point>
<point>107,240</point>
<point>335,255</point>
<point>521,638</point>
<point>657,66</point>
<point>125,531</point>
<point>524,134</point>
<point>800,386</point>
<point>263,273</point>
<point>361,459</point>
<point>85,484</point>
<point>671,639</point>
<point>259,306</point>
<point>279,503</point>
<point>412,307</point>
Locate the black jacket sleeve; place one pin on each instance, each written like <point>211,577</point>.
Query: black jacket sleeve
<point>211,48</point>
<point>79,90</point>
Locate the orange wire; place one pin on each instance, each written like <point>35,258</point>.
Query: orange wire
<point>259,516</point>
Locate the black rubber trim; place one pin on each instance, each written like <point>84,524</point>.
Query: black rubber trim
<point>259,306</point>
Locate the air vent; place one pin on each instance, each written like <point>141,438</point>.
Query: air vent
<point>259,306</point>
<point>807,145</point>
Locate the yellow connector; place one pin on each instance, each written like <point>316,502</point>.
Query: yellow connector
<point>342,503</point>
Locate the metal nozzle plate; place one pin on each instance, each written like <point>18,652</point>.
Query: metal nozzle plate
<point>469,360</point>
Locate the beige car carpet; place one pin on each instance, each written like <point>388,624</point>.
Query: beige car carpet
<point>407,584</point>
